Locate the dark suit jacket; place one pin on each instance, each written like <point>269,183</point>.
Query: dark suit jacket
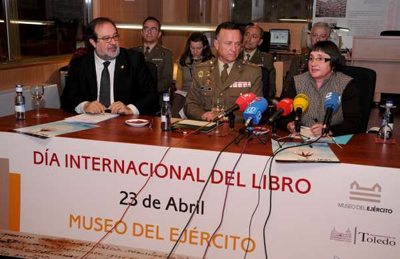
<point>133,83</point>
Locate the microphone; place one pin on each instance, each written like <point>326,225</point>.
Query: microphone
<point>300,104</point>
<point>283,108</point>
<point>331,104</point>
<point>241,103</point>
<point>253,113</point>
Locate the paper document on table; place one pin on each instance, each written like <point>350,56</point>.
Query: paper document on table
<point>91,118</point>
<point>194,124</point>
<point>298,152</point>
<point>307,135</point>
<point>53,129</point>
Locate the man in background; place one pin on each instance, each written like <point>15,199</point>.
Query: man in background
<point>253,37</point>
<point>157,54</point>
<point>109,78</point>
<point>320,31</point>
<point>225,77</point>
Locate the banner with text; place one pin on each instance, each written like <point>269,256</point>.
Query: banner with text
<point>80,188</point>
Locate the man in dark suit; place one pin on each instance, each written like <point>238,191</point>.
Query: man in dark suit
<point>253,37</point>
<point>109,77</point>
<point>157,54</point>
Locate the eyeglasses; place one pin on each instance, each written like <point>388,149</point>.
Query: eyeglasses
<point>318,60</point>
<point>108,38</point>
<point>151,29</point>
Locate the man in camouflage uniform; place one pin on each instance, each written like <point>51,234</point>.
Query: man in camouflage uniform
<point>225,77</point>
<point>253,37</point>
<point>157,54</point>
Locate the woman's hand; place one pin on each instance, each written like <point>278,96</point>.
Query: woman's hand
<point>291,127</point>
<point>316,129</point>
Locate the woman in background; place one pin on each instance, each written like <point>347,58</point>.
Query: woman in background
<point>323,77</point>
<point>197,50</point>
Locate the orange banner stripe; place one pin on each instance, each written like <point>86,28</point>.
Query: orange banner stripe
<point>14,212</point>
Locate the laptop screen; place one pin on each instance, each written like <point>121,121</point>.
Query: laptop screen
<point>280,38</point>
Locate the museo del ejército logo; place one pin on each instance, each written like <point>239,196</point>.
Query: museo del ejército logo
<point>365,198</point>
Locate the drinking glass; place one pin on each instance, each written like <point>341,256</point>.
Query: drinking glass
<point>37,92</point>
<point>218,108</point>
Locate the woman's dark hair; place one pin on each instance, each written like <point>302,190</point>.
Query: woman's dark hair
<point>196,37</point>
<point>332,50</point>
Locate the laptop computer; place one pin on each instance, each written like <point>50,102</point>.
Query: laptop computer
<point>280,39</point>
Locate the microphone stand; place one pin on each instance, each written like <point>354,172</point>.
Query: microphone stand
<point>325,133</point>
<point>231,117</point>
<point>333,140</point>
<point>297,126</point>
<point>249,131</point>
<point>277,137</point>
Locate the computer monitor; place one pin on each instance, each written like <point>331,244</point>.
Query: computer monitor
<point>280,39</point>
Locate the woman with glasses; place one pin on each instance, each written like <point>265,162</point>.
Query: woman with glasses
<point>197,50</point>
<point>323,77</point>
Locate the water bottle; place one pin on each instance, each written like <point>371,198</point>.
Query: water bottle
<point>19,101</point>
<point>387,125</point>
<point>166,113</point>
<point>389,114</point>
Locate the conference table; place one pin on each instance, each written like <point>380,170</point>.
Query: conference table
<point>79,185</point>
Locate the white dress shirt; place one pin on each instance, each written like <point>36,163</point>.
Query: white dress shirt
<point>99,69</point>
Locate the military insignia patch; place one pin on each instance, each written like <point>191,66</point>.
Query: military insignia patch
<point>240,85</point>
<point>204,88</point>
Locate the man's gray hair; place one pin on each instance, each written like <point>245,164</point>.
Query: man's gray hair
<point>322,25</point>
<point>257,26</point>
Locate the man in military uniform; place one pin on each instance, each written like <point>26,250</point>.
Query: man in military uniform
<point>253,37</point>
<point>320,31</point>
<point>225,77</point>
<point>157,54</point>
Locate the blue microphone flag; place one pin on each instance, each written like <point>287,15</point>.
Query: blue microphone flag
<point>254,112</point>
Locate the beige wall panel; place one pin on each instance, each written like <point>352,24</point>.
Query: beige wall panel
<point>124,11</point>
<point>34,74</point>
<point>175,41</point>
<point>382,55</point>
<point>376,48</point>
<point>130,38</point>
<point>220,11</point>
<point>176,11</point>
